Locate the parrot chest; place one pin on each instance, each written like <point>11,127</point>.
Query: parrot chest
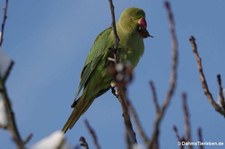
<point>131,51</point>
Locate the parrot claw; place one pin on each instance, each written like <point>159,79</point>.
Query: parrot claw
<point>112,59</point>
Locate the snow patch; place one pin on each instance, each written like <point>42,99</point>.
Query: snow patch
<point>53,141</point>
<point>137,146</point>
<point>5,62</point>
<point>3,117</point>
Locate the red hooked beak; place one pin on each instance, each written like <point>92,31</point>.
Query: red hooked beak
<point>142,28</point>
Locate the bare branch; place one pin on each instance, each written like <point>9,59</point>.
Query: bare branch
<point>137,122</point>
<point>221,96</point>
<point>12,127</point>
<point>83,142</point>
<point>173,77</point>
<point>129,127</point>
<point>202,78</point>
<point>200,138</point>
<point>176,133</point>
<point>116,37</point>
<point>187,119</point>
<point>4,21</point>
<point>92,132</point>
<point>121,84</point>
<point>179,139</point>
<point>154,95</point>
<point>28,138</point>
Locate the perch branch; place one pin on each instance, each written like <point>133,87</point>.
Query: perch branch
<point>121,88</point>
<point>203,79</point>
<point>173,77</point>
<point>129,127</point>
<point>116,37</point>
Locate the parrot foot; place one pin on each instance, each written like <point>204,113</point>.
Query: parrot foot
<point>112,59</point>
<point>113,55</point>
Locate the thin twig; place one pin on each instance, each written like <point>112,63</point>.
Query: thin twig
<point>154,95</point>
<point>116,37</point>
<point>173,78</point>
<point>4,22</point>
<point>221,96</point>
<point>179,139</point>
<point>176,133</point>
<point>202,78</point>
<point>12,127</point>
<point>83,142</point>
<point>28,138</point>
<point>7,73</point>
<point>200,138</point>
<point>93,134</point>
<point>187,119</point>
<point>137,122</point>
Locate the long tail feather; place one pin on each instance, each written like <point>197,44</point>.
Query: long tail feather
<point>81,106</point>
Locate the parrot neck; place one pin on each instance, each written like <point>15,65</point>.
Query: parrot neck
<point>123,33</point>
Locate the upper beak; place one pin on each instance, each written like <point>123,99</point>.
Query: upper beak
<point>142,28</point>
<point>142,23</point>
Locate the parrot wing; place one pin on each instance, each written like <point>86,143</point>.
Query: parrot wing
<point>98,51</point>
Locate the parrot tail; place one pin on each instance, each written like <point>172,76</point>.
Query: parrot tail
<point>80,107</point>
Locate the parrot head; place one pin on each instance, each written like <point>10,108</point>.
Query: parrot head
<point>133,21</point>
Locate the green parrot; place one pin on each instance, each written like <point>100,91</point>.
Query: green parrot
<point>95,77</point>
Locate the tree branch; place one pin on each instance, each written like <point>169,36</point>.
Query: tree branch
<point>154,95</point>
<point>92,132</point>
<point>137,122</point>
<point>121,84</point>
<point>221,96</point>
<point>12,127</point>
<point>83,142</point>
<point>4,22</point>
<point>186,119</point>
<point>116,37</point>
<point>200,138</point>
<point>129,127</point>
<point>202,78</point>
<point>173,78</point>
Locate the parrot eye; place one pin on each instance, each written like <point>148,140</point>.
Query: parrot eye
<point>131,19</point>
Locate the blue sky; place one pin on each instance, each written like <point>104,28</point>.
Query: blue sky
<point>49,41</point>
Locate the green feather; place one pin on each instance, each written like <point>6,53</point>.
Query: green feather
<point>95,77</point>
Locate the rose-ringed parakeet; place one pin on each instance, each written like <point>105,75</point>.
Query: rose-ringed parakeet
<point>95,76</point>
